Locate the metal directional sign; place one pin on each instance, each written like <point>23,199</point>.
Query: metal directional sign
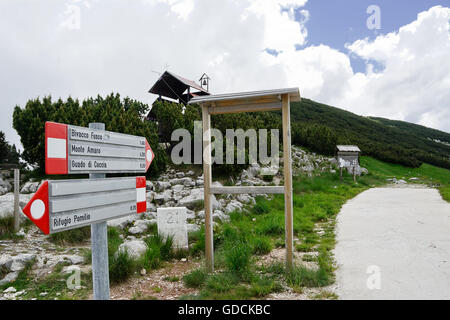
<point>71,150</point>
<point>60,205</point>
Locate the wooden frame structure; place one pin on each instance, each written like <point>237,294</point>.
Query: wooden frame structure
<point>268,100</point>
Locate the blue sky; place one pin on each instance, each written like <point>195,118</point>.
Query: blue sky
<point>336,23</point>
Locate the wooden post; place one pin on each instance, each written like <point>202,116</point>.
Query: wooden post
<point>354,173</point>
<point>340,174</point>
<point>16,201</point>
<point>288,208</point>
<point>207,177</point>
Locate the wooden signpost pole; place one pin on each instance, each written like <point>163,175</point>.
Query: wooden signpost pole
<point>16,201</point>
<point>207,172</point>
<point>288,209</point>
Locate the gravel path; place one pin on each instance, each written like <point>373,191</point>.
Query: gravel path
<point>394,243</point>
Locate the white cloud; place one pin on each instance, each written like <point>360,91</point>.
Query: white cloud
<point>415,82</point>
<point>119,43</point>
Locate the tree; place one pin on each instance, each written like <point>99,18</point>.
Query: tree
<point>8,153</point>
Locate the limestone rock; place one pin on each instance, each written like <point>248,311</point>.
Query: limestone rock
<point>135,248</point>
<point>233,205</point>
<point>30,187</point>
<point>10,277</point>
<point>196,195</point>
<point>122,222</point>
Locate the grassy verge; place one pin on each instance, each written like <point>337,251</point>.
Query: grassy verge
<point>51,287</point>
<point>425,174</point>
<point>317,200</point>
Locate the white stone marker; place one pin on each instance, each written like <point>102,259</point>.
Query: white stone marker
<point>172,222</point>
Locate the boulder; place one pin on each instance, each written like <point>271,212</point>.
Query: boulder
<point>141,226</point>
<point>218,215</point>
<point>7,204</point>
<point>179,174</point>
<point>10,277</point>
<point>188,182</point>
<point>245,198</point>
<point>75,259</point>
<point>149,185</point>
<point>163,197</point>
<point>122,222</point>
<point>135,248</point>
<point>17,263</point>
<point>192,227</point>
<point>151,207</point>
<point>162,185</point>
<point>5,186</point>
<point>196,195</point>
<point>30,187</point>
<point>233,205</point>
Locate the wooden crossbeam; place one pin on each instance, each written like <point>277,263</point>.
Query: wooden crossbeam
<point>258,107</point>
<point>248,190</point>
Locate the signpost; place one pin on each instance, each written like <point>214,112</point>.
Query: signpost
<point>61,205</point>
<point>71,150</point>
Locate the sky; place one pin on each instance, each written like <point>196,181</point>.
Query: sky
<point>374,58</point>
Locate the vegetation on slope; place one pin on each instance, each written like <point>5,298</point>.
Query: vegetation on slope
<point>387,140</point>
<point>241,243</point>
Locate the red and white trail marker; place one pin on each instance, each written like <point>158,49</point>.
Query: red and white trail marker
<point>60,205</point>
<point>72,150</point>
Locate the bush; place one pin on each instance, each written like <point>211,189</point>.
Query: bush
<point>237,255</point>
<point>159,250</point>
<point>261,246</point>
<point>301,276</point>
<point>6,227</point>
<point>197,239</point>
<point>195,279</point>
<point>261,206</point>
<point>121,267</point>
<point>271,225</point>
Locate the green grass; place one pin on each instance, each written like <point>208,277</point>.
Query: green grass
<point>316,200</point>
<point>195,278</point>
<point>7,229</point>
<point>70,237</point>
<point>54,284</point>
<point>426,173</point>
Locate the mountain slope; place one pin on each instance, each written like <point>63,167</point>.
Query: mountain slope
<point>389,140</point>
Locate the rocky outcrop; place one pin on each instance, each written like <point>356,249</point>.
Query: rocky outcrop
<point>5,186</point>
<point>134,248</point>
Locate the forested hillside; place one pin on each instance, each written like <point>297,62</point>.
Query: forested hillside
<point>393,141</point>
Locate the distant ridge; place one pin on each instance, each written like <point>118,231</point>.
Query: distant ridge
<point>389,140</point>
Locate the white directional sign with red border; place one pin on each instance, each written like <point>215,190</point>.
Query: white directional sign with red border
<point>66,204</point>
<point>71,150</point>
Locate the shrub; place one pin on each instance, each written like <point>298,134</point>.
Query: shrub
<point>159,250</point>
<point>261,206</point>
<point>6,227</point>
<point>271,225</point>
<point>304,277</point>
<point>121,267</point>
<point>261,246</point>
<point>197,239</point>
<point>195,279</point>
<point>237,255</point>
<point>222,282</point>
